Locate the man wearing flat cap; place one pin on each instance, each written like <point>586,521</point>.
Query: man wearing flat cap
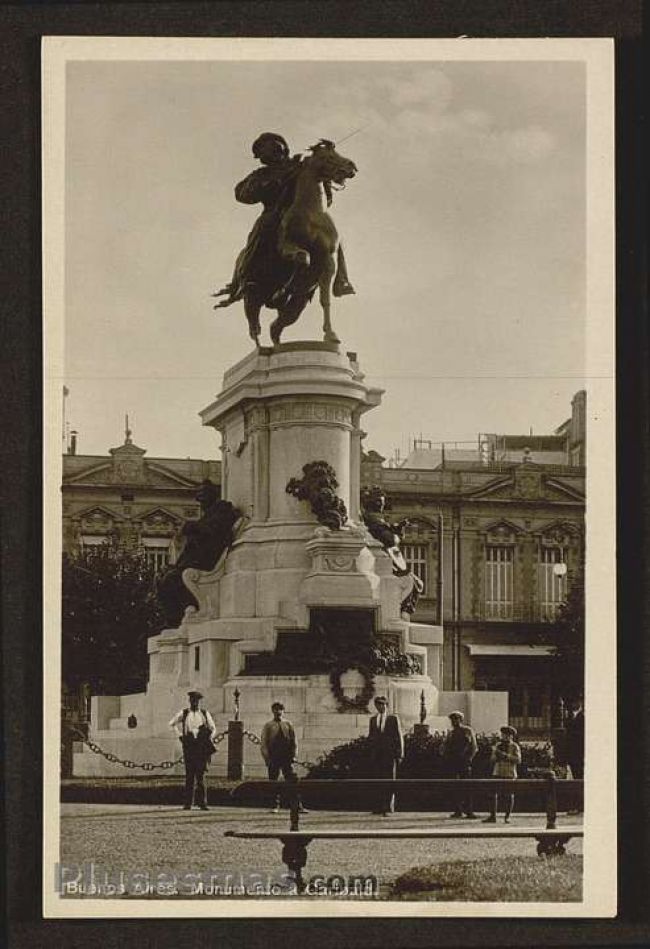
<point>195,728</point>
<point>279,749</point>
<point>459,750</point>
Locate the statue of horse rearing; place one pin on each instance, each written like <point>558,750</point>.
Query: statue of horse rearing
<point>307,247</point>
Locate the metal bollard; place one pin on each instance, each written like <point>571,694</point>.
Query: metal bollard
<point>235,751</point>
<point>551,801</point>
<point>294,807</point>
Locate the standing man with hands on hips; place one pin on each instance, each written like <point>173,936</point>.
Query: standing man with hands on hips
<point>195,727</point>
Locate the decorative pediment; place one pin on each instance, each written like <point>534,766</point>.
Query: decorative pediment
<point>419,526</point>
<point>95,474</point>
<point>130,470</point>
<point>527,482</point>
<point>502,532</point>
<point>128,464</point>
<point>560,491</point>
<point>559,533</point>
<point>97,520</point>
<point>496,488</point>
<point>161,477</point>
<point>159,522</point>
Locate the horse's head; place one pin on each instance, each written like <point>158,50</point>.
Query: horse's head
<point>328,164</point>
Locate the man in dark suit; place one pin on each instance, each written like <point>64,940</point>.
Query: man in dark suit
<point>575,740</point>
<point>459,750</point>
<point>575,745</point>
<point>387,750</point>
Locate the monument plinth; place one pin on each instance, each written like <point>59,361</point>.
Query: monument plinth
<point>289,591</point>
<point>280,409</point>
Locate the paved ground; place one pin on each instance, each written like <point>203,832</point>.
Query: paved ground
<point>155,840</point>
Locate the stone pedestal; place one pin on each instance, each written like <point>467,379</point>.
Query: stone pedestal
<point>281,408</point>
<point>278,410</point>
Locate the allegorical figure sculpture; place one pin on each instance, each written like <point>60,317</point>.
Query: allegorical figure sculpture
<point>390,536</point>
<point>294,247</point>
<point>205,541</point>
<point>318,486</point>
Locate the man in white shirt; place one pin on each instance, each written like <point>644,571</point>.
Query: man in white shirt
<point>195,728</point>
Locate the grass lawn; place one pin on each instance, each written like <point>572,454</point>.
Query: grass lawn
<point>512,879</point>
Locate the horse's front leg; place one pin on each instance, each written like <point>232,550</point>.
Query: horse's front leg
<point>298,260</point>
<point>324,292</point>
<point>295,259</point>
<point>252,307</point>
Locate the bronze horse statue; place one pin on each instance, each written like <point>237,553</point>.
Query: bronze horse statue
<point>305,254</point>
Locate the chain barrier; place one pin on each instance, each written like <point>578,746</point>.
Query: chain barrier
<point>257,741</point>
<point>163,765</point>
<point>127,763</point>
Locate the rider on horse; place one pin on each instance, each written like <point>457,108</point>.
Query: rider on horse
<point>259,263</point>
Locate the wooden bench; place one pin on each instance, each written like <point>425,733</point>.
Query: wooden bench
<point>295,840</point>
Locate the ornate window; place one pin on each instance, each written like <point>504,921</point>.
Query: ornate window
<point>157,552</point>
<point>499,568</point>
<point>92,541</point>
<point>528,706</point>
<point>528,702</point>
<point>417,559</point>
<point>551,580</point>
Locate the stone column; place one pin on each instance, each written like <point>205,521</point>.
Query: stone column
<point>281,408</point>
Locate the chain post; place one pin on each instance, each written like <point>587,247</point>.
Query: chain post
<point>235,769</point>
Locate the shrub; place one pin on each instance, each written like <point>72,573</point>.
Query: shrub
<point>423,758</point>
<point>351,760</point>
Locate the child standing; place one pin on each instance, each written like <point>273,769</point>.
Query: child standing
<point>506,756</point>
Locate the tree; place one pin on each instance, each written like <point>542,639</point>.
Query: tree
<point>109,610</point>
<point>568,637</point>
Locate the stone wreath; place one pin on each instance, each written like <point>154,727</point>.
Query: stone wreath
<point>361,702</point>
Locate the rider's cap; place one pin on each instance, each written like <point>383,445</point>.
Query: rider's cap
<point>193,692</point>
<point>266,137</point>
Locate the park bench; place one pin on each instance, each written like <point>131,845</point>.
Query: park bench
<point>551,839</point>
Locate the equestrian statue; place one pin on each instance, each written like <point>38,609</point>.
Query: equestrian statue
<point>294,247</point>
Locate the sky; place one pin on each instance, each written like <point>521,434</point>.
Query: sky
<point>464,232</point>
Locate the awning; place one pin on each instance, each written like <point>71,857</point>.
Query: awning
<point>476,649</point>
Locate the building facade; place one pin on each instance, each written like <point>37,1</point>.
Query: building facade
<point>495,534</point>
<point>142,502</point>
<point>497,541</point>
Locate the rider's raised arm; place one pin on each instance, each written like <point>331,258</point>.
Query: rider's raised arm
<point>268,184</point>
<point>252,188</point>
